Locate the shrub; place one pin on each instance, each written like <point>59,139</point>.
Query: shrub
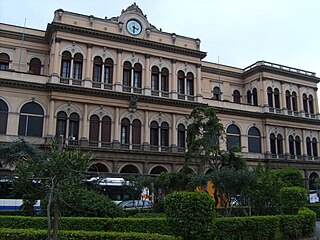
<point>292,199</point>
<point>190,214</point>
<point>291,177</point>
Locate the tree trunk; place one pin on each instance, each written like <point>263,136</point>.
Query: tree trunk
<point>55,221</point>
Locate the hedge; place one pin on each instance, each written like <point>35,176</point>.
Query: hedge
<point>314,207</point>
<point>34,234</point>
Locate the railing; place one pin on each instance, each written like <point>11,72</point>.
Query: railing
<point>281,67</point>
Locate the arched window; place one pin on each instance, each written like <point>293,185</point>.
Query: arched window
<point>68,127</point>
<point>294,146</point>
<point>181,77</point>
<point>276,143</point>
<point>216,94</point>
<point>127,75</point>
<point>273,97</point>
<point>288,100</point>
<point>164,136</point>
<point>155,78</point>
<point>158,170</point>
<point>154,135</point>
<point>136,134</point>
<point>249,97</point>
<point>94,130</point>
<point>236,96</point>
<point>310,100</point>
<point>97,69</point>
<point>190,80</point>
<point>137,75</point>
<point>294,101</point>
<point>65,64</point>
<point>129,169</point>
<point>305,103</point>
<point>3,117</point>
<point>181,138</point>
<point>276,98</point>
<point>270,97</point>
<point>31,120</point>
<point>106,131</point>
<point>233,136</point>
<point>108,71</point>
<point>312,147</point>
<point>4,61</point>
<point>255,97</point>
<point>125,132</point>
<point>313,181</point>
<point>77,66</point>
<point>164,80</point>
<point>254,140</point>
<point>35,66</point>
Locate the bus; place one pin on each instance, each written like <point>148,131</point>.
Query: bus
<point>117,189</point>
<point>10,200</point>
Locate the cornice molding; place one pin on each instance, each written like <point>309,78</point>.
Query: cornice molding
<point>55,27</point>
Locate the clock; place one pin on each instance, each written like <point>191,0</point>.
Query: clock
<point>134,27</point>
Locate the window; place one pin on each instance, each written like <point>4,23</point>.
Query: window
<point>99,137</point>
<point>249,97</point>
<point>273,97</point>
<point>181,137</point>
<point>68,127</point>
<point>276,98</point>
<point>276,143</point>
<point>155,78</point>
<point>291,100</point>
<point>294,101</point>
<point>255,97</point>
<point>233,136</point>
<point>31,120</point>
<point>312,147</point>
<point>164,80</point>
<point>181,82</point>
<point>108,71</point>
<point>137,75</point>
<point>154,134</point>
<point>77,66</point>
<point>190,80</point>
<point>3,117</point>
<point>270,97</point>
<point>35,66</point>
<point>125,131</point>
<point>216,93</point>
<point>254,140</point>
<point>311,109</point>
<point>164,136</point>
<point>236,96</point>
<point>294,146</point>
<point>136,132</point>
<point>65,64</point>
<point>97,69</point>
<point>4,61</point>
<point>288,100</point>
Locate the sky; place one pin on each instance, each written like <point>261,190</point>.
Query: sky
<point>237,32</point>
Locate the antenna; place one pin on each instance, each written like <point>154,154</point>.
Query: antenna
<point>22,39</point>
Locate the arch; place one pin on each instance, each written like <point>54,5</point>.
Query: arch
<point>313,179</point>
<point>73,48</point>
<point>158,170</point>
<point>98,168</point>
<point>4,110</point>
<point>4,61</point>
<point>31,120</point>
<point>187,170</point>
<point>35,66</point>
<point>104,54</point>
<point>130,168</point>
<point>254,140</point>
<point>101,112</point>
<point>133,59</point>
<point>236,96</point>
<point>185,68</point>
<point>131,116</point>
<point>233,134</point>
<point>68,108</point>
<point>159,118</point>
<point>160,64</point>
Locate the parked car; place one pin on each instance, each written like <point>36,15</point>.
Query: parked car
<point>135,204</point>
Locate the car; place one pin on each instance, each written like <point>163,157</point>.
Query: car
<point>135,204</point>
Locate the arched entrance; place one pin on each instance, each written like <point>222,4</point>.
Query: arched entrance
<point>129,169</point>
<point>98,168</point>
<point>158,170</point>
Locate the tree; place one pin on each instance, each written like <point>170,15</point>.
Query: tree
<point>60,171</point>
<point>291,177</point>
<point>17,151</point>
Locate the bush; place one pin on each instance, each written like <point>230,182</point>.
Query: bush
<point>32,234</point>
<point>314,207</point>
<point>190,214</point>
<point>292,199</point>
<point>291,177</point>
<point>251,228</point>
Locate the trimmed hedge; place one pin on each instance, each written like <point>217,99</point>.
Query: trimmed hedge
<point>253,228</point>
<point>314,207</point>
<point>33,234</point>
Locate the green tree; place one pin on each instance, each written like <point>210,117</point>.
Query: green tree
<point>292,199</point>
<point>60,171</point>
<point>291,177</point>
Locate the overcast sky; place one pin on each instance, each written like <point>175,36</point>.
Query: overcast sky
<point>239,32</point>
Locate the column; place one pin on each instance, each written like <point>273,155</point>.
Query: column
<point>116,127</point>
<point>51,119</point>
<point>118,77</point>
<point>304,146</point>
<point>88,66</point>
<point>146,142</point>
<point>198,84</point>
<point>174,134</point>
<point>147,76</point>
<point>315,102</point>
<point>266,144</point>
<point>173,81</point>
<point>286,143</point>
<point>84,132</point>
<point>56,57</point>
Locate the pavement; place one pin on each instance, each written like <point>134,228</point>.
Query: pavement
<point>317,230</point>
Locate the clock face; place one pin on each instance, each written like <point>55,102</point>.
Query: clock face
<point>134,27</point>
